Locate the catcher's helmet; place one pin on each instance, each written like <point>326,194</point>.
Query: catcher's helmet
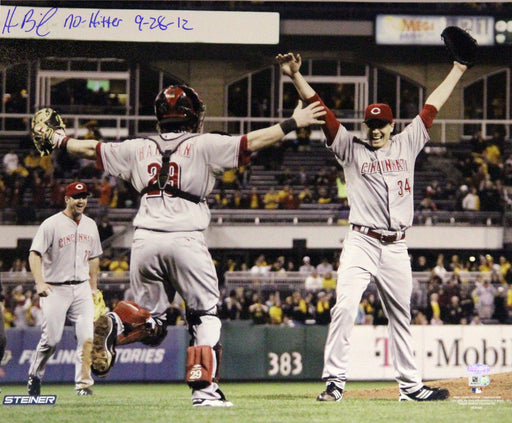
<point>179,108</point>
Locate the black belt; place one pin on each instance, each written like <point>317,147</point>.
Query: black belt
<point>65,283</point>
<point>382,238</point>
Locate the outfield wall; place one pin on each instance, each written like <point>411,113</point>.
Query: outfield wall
<point>279,353</point>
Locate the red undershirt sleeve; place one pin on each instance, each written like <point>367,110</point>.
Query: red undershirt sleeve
<point>428,114</point>
<point>244,154</point>
<point>331,123</point>
<point>99,162</point>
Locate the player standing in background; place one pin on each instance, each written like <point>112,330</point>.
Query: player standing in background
<point>379,174</point>
<point>64,259</point>
<point>174,171</point>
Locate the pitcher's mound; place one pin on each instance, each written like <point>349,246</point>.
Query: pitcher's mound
<point>500,388</point>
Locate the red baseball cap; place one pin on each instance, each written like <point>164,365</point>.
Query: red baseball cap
<point>76,188</point>
<point>378,111</point>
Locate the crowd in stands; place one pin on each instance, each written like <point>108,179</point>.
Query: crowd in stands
<point>446,295</point>
<point>483,184</point>
<point>287,191</point>
<point>29,183</point>
<point>449,295</point>
<point>480,181</point>
<point>21,308</point>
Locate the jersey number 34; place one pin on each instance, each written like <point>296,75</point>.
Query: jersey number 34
<point>403,187</point>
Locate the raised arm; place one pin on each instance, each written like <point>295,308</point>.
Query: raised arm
<point>290,65</point>
<point>85,149</point>
<point>256,140</point>
<point>439,96</point>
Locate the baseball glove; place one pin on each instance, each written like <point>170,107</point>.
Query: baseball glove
<point>460,44</point>
<point>44,124</point>
<point>99,304</point>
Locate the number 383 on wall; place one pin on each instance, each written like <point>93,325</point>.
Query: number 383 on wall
<point>285,364</point>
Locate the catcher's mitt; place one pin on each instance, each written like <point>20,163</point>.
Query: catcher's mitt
<point>99,304</point>
<point>460,44</point>
<point>44,124</point>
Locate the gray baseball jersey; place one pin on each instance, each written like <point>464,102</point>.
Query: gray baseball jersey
<point>380,181</point>
<point>192,168</point>
<point>66,247</point>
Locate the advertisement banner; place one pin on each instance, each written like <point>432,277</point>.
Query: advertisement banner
<point>135,362</point>
<point>425,30</point>
<point>263,352</point>
<point>441,352</point>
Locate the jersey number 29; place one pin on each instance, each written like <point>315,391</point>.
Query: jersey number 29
<point>173,179</point>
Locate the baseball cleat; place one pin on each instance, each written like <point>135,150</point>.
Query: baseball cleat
<point>216,402</point>
<point>211,403</point>
<point>104,345</point>
<point>84,391</point>
<point>425,394</point>
<point>34,386</point>
<point>331,393</point>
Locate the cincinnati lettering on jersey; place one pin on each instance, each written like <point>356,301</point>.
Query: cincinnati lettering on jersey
<point>70,239</point>
<point>384,166</point>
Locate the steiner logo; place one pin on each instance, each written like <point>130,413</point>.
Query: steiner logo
<point>30,400</point>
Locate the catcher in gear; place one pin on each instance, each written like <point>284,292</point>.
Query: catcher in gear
<point>174,171</point>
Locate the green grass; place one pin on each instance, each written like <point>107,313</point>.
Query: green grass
<point>254,403</point>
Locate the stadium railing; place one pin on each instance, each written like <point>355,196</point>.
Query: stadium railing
<point>262,283</point>
<point>324,214</point>
<point>122,126</point>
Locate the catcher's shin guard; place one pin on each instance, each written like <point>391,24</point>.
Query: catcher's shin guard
<point>199,366</point>
<point>203,367</point>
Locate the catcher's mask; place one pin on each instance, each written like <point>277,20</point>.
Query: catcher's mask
<point>179,108</point>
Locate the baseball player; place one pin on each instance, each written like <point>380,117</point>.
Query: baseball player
<point>379,174</point>
<point>174,171</point>
<point>64,259</point>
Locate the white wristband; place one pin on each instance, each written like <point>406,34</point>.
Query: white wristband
<point>60,139</point>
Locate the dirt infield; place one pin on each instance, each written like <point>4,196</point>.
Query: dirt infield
<point>500,387</point>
